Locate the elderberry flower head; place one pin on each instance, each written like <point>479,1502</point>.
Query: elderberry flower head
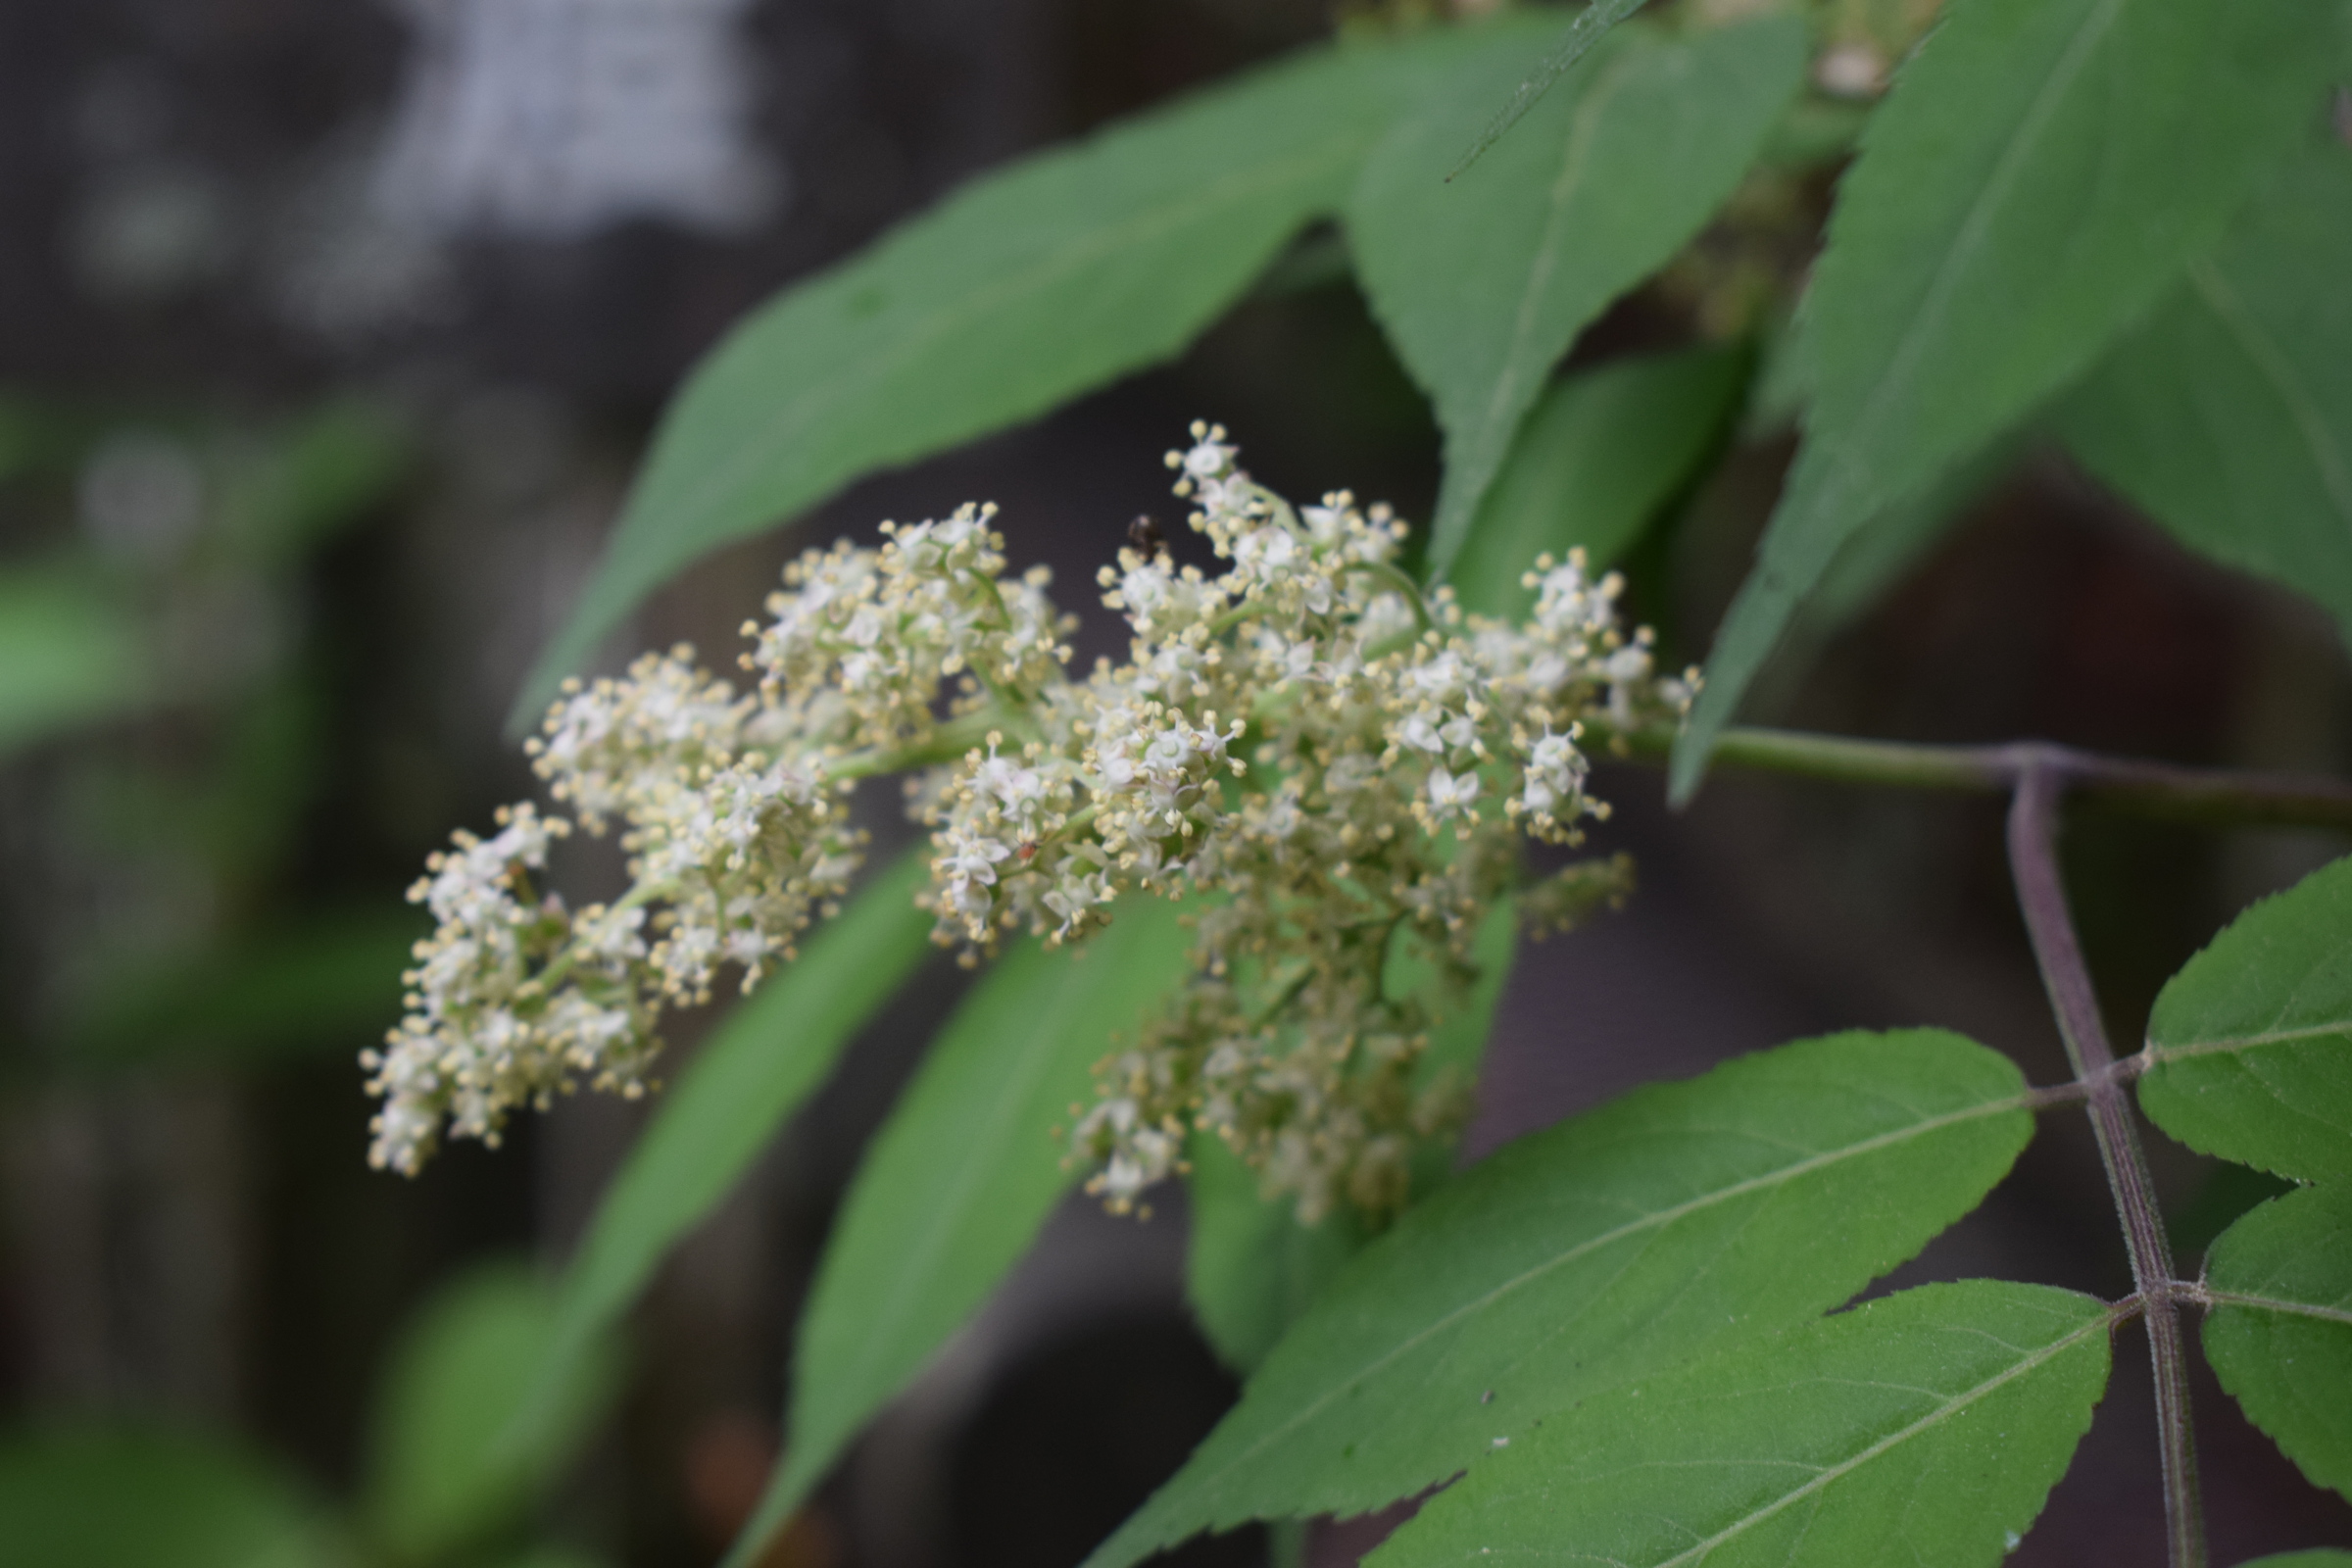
<point>1334,768</point>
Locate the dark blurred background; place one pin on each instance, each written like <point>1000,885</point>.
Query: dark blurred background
<point>329,334</point>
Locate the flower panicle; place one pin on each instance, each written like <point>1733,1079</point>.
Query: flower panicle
<point>1335,766</point>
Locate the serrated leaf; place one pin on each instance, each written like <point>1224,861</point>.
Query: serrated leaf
<point>1251,1268</point>
<point>2250,1045</point>
<point>90,1497</point>
<point>1483,283</point>
<point>1876,560</point>
<point>2280,1335</point>
<point>2228,416</point>
<point>1677,1220</point>
<point>759,1067</point>
<point>2029,188</point>
<point>1926,1427</point>
<point>442,1468</point>
<point>1032,284</point>
<point>960,1179</point>
<point>1891,545</point>
<point>1598,457</point>
<point>1588,30</point>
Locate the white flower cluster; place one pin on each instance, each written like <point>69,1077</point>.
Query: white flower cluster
<point>1338,768</point>
<point>735,814</point>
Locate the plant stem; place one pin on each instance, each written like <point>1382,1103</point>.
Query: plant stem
<point>2042,896</point>
<point>2114,783</point>
<point>1405,587</point>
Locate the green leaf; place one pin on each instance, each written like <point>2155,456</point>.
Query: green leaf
<point>1598,457</point>
<point>443,1470</point>
<point>1887,549</point>
<point>1031,285</point>
<point>1677,1220</point>
<point>960,1179</point>
<point>1876,560</point>
<point>88,1496</point>
<point>2228,416</point>
<point>2250,1045</point>
<point>2322,1557</point>
<point>1251,1268</point>
<point>752,1074</point>
<point>1926,1427</point>
<point>1587,30</point>
<point>2027,190</point>
<point>70,655</point>
<point>2280,1335</point>
<point>1483,283</point>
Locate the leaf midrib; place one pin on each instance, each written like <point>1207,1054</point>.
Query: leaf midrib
<point>1835,1473</point>
<point>1890,385</point>
<point>1653,1221</point>
<point>2160,1053</point>
<point>2273,367</point>
<point>1560,197</point>
<point>947,1217</point>
<point>2274,1303</point>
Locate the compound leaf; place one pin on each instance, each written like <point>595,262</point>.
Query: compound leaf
<point>2280,1332</point>
<point>1677,1220</point>
<point>1483,283</point>
<point>2027,190</point>
<point>960,1179</point>
<point>763,1062</point>
<point>1926,1427</point>
<point>2228,416</point>
<point>442,1468</point>
<point>1598,455</point>
<point>1032,284</point>
<point>2250,1045</point>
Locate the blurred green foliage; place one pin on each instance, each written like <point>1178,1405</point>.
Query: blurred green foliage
<point>439,1490</point>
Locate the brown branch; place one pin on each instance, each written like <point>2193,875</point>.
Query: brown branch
<point>2042,896</point>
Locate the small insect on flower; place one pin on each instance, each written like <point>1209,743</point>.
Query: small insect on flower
<point>1145,535</point>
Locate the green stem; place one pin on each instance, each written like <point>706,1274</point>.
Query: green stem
<point>567,957</point>
<point>946,744</point>
<point>2114,783</point>
<point>1004,622</point>
<point>1401,583</point>
<point>1219,626</point>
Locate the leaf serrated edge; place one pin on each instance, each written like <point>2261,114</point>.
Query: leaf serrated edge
<point>2029,1101</point>
<point>1952,1406</point>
